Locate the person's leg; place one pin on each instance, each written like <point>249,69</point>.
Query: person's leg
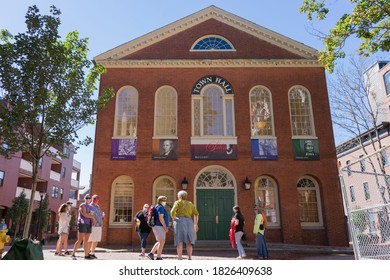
<point>93,247</point>
<point>66,236</point>
<point>76,245</point>
<point>189,248</point>
<point>179,250</point>
<point>160,248</point>
<point>58,247</point>
<point>86,244</point>
<point>240,248</point>
<point>258,245</point>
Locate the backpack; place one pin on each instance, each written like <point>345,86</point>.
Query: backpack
<point>151,216</point>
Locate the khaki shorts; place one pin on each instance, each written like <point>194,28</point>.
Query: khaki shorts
<point>159,232</point>
<point>96,234</point>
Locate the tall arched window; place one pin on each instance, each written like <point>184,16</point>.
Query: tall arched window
<point>266,193</point>
<point>166,186</point>
<point>261,112</point>
<point>122,191</point>
<point>301,112</point>
<point>213,113</point>
<point>309,202</point>
<point>126,111</point>
<point>165,112</point>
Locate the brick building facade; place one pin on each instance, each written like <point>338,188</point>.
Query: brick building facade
<point>234,101</point>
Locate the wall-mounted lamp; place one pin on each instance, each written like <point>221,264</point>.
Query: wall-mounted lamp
<point>247,183</point>
<point>184,183</point>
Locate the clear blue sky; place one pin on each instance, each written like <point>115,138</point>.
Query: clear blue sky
<point>108,24</point>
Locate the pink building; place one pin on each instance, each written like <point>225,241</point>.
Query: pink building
<point>57,177</point>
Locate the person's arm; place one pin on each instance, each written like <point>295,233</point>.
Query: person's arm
<point>196,221</point>
<point>174,210</point>
<point>87,215</point>
<point>161,218</point>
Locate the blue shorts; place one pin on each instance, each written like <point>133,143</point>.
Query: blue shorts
<point>84,228</point>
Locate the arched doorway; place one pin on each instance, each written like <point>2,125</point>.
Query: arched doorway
<point>215,197</point>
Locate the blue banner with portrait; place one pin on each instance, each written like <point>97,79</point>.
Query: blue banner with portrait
<point>264,149</point>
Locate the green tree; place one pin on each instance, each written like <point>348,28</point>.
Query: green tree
<point>17,212</point>
<point>45,91</point>
<point>369,21</point>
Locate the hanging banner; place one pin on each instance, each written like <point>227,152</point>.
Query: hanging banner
<point>306,149</point>
<point>220,149</point>
<point>164,149</point>
<point>264,149</point>
<point>123,149</point>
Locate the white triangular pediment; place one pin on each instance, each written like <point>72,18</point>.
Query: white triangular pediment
<point>210,12</point>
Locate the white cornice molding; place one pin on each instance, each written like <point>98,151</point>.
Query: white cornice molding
<point>205,63</point>
<point>199,17</point>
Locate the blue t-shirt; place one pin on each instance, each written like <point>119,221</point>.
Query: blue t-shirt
<point>161,210</point>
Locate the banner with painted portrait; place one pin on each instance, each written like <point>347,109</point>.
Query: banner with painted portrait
<point>306,149</point>
<point>164,149</point>
<point>264,149</point>
<point>123,149</point>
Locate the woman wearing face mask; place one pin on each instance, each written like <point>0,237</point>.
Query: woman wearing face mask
<point>161,228</point>
<point>64,216</point>
<point>142,227</point>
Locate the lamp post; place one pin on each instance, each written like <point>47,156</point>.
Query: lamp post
<point>41,194</point>
<point>247,183</point>
<point>184,183</point>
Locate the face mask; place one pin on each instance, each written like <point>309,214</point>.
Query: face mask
<point>145,209</point>
<point>163,203</point>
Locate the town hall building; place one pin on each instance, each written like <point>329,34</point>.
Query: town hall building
<point>228,110</point>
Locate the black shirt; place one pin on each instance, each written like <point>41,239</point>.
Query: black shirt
<point>143,226</point>
<point>240,218</point>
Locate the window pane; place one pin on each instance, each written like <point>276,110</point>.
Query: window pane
<point>300,107</point>
<point>307,201</point>
<point>212,112</point>
<point>127,107</point>
<point>212,43</point>
<point>229,117</point>
<point>265,192</point>
<point>123,201</point>
<point>261,116</point>
<point>386,78</point>
<point>165,115</point>
<point>196,117</point>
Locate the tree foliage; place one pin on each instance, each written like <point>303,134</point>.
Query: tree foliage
<point>369,21</point>
<point>46,95</point>
<point>18,211</point>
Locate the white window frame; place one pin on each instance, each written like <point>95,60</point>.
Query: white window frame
<point>116,133</point>
<point>270,112</point>
<point>312,124</point>
<point>225,98</point>
<point>156,106</point>
<point>320,222</point>
<point>158,190</point>
<point>123,224</point>
<point>274,189</point>
<point>209,50</point>
<point>2,175</point>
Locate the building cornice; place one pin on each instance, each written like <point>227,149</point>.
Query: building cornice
<point>211,12</point>
<point>207,63</point>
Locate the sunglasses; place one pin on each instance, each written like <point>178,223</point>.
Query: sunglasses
<point>88,198</point>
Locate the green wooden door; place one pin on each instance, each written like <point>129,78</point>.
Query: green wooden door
<point>215,211</point>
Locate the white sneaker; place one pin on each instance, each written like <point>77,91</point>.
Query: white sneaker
<point>243,256</point>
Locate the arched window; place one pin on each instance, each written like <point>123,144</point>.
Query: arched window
<point>166,186</point>
<point>126,110</point>
<point>386,79</point>
<point>261,112</point>
<point>309,202</point>
<point>212,43</point>
<point>266,193</point>
<point>301,112</point>
<point>122,201</point>
<point>165,112</point>
<point>213,113</point>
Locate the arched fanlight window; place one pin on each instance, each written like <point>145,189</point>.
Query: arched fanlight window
<point>212,43</point>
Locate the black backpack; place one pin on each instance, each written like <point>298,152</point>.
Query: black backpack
<point>151,216</point>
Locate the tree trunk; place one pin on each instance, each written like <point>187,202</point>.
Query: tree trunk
<point>27,223</point>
